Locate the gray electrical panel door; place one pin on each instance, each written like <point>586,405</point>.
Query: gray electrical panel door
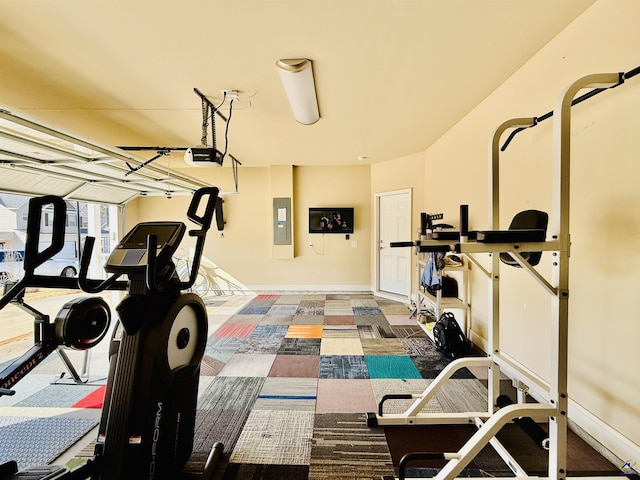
<point>282,221</point>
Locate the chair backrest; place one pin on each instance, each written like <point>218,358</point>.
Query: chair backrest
<point>532,220</point>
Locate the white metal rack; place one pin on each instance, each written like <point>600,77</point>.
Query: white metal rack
<point>552,408</point>
<point>440,303</point>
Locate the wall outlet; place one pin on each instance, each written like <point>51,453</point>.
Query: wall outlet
<point>354,243</point>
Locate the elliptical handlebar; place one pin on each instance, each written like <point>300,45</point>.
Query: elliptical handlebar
<point>95,286</point>
<point>154,274</point>
<point>204,221</point>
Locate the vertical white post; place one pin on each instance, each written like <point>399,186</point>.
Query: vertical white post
<point>560,231</point>
<point>494,222</point>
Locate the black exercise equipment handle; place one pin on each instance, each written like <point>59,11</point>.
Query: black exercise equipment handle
<point>95,286</point>
<point>622,76</point>
<point>33,258</point>
<point>204,221</point>
<point>150,272</point>
<point>402,244</point>
<point>392,396</point>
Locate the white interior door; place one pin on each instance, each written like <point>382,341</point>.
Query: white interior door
<point>394,225</point>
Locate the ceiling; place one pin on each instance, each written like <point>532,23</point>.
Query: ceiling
<point>391,76</point>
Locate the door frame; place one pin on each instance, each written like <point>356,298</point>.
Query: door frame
<point>376,246</point>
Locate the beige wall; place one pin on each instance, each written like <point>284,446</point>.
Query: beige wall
<point>605,212</point>
<point>244,248</point>
<point>404,173</point>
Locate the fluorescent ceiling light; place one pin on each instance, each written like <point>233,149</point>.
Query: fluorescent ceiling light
<point>297,78</point>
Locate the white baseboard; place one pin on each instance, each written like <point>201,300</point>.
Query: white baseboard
<point>609,442</point>
<point>310,288</point>
<point>622,448</point>
<point>392,296</point>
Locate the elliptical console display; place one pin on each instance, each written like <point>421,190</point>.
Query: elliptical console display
<point>131,252</point>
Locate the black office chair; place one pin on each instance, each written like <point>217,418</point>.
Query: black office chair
<point>534,221</point>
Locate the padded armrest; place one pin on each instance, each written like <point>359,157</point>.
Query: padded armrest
<point>452,235</point>
<point>512,236</point>
<point>434,248</point>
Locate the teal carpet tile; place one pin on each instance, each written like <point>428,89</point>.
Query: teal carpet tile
<point>391,366</point>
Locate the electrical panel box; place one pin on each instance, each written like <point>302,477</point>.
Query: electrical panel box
<point>282,221</point>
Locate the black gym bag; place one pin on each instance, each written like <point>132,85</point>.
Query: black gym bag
<point>448,337</point>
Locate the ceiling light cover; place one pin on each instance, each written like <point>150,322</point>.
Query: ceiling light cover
<point>297,78</point>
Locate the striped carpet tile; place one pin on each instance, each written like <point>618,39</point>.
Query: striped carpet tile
<point>275,437</point>
<point>239,330</point>
<point>344,448</point>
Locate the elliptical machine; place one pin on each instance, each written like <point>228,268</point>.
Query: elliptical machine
<point>148,417</point>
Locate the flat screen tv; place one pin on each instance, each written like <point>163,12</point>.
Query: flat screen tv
<point>331,220</point>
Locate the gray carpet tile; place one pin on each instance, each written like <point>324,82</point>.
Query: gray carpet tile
<point>282,309</point>
<point>248,365</point>
<point>463,395</point>
<point>222,348</point>
<point>375,331</point>
<point>254,309</point>
<point>366,310</point>
<point>390,386</point>
<point>343,366</point>
<point>276,320</point>
<point>228,393</point>
<point>269,331</point>
<point>408,331</point>
<point>300,346</point>
<point>61,396</point>
<point>260,346</point>
<point>371,319</point>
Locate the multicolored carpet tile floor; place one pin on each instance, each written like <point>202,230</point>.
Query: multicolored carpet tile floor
<point>286,382</point>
